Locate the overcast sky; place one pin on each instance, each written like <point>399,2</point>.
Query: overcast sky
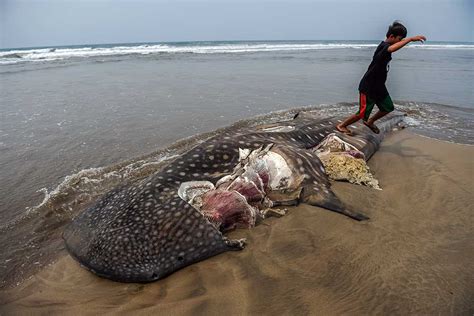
<point>29,23</point>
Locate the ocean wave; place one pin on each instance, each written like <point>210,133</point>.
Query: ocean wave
<point>50,54</point>
<point>442,46</point>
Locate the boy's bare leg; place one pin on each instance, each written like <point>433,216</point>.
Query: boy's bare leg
<point>375,117</point>
<point>343,126</point>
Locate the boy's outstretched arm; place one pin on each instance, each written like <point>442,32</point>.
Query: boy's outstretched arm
<point>394,47</point>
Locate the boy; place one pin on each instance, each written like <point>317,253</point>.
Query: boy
<point>372,88</point>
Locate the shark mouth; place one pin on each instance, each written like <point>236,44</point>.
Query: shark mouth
<point>343,161</point>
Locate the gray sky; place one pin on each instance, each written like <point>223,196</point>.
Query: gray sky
<point>27,23</point>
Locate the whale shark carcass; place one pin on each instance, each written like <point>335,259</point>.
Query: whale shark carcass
<point>176,217</point>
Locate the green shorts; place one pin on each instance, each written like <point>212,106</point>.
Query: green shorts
<point>366,105</point>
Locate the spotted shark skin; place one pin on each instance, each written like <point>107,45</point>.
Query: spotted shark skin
<point>144,232</point>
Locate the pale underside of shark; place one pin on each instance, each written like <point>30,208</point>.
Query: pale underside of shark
<point>176,217</point>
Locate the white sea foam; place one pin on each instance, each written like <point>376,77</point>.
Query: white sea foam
<point>49,54</point>
<point>442,46</point>
<point>410,121</point>
<point>87,183</point>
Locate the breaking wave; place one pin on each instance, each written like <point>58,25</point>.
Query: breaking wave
<point>8,57</point>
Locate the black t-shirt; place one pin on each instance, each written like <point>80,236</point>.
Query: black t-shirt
<point>373,82</point>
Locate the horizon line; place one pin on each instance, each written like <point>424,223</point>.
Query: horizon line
<point>203,41</point>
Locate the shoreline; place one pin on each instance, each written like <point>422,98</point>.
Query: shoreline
<point>414,256</point>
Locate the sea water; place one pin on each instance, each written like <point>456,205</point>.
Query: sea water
<point>77,121</point>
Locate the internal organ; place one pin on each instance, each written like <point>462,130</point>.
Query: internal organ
<point>240,198</point>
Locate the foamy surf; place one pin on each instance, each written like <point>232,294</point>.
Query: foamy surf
<point>8,57</point>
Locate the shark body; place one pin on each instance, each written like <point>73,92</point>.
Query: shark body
<point>146,231</point>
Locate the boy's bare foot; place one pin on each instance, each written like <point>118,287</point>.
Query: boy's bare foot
<point>344,130</point>
<point>372,127</point>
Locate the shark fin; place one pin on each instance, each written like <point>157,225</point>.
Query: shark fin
<point>328,200</point>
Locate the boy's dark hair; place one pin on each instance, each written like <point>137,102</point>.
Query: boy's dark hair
<point>397,29</point>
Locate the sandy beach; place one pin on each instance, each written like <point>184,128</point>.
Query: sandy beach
<point>414,256</point>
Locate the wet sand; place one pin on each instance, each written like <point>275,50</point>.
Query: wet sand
<point>415,255</point>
